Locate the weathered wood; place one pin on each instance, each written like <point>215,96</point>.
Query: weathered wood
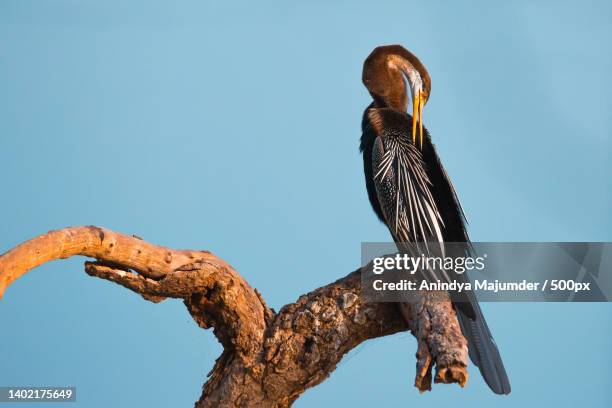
<point>269,358</point>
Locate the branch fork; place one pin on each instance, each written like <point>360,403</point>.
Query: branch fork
<point>269,358</point>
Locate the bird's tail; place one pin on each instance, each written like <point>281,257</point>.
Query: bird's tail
<point>483,350</point>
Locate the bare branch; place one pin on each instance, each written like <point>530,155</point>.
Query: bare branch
<point>215,294</point>
<point>269,359</point>
<point>131,252</point>
<point>440,341</point>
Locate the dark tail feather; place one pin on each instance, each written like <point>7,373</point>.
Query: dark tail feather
<point>483,350</point>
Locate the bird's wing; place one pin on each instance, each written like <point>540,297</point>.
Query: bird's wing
<point>405,196</point>
<point>404,193</point>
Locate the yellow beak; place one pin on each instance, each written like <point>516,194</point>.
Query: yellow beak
<point>417,116</point>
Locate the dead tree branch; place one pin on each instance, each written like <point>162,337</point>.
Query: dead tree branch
<point>269,358</point>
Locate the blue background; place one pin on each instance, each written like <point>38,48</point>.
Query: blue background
<point>234,126</point>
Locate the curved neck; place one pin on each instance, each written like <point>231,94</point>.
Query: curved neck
<point>388,71</point>
<point>390,89</point>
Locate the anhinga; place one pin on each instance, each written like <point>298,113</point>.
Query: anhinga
<point>409,189</point>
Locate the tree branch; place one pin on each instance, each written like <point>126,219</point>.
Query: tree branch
<point>269,359</point>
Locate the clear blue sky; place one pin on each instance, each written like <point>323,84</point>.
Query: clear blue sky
<point>234,126</point>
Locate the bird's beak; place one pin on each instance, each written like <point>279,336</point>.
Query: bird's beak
<point>418,102</point>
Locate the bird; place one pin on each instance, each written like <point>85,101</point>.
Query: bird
<point>409,189</point>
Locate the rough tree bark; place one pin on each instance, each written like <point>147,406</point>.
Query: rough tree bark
<point>270,358</point>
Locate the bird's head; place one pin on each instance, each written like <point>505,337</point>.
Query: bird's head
<point>387,71</point>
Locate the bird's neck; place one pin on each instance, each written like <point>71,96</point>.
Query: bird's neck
<point>395,99</point>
